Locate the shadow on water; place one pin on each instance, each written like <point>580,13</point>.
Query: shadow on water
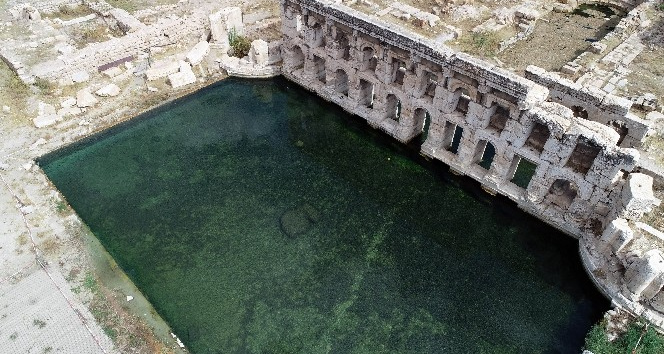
<point>258,218</point>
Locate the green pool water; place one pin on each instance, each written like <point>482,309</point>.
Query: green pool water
<point>259,219</point>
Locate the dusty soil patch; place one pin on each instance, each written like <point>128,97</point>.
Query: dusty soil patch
<point>558,39</point>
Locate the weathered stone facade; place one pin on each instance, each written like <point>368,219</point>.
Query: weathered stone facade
<point>464,108</point>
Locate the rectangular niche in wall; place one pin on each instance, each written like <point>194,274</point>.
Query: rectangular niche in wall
<point>499,118</point>
<point>398,71</point>
<point>463,102</point>
<point>367,94</point>
<point>583,156</point>
<point>484,153</point>
<point>429,83</point>
<point>538,137</point>
<point>522,171</point>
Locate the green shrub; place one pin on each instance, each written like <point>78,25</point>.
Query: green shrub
<point>638,340</point>
<point>44,85</point>
<point>481,43</point>
<point>239,43</point>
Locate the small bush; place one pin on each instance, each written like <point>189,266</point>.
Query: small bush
<point>44,85</point>
<point>239,43</point>
<point>481,43</point>
<point>638,340</point>
<point>69,11</point>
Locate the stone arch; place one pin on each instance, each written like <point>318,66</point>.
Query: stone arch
<point>297,57</point>
<point>455,84</point>
<point>369,59</point>
<point>392,107</point>
<point>341,82</point>
<point>562,193</point>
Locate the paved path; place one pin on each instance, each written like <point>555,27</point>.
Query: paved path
<point>37,316</point>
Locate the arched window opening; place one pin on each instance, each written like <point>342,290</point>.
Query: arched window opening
<point>298,58</point>
<point>398,71</point>
<point>344,45</point>
<point>522,171</point>
<point>429,83</point>
<point>316,36</point>
<point>452,137</point>
<point>369,59</point>
<point>319,68</point>
<point>423,121</point>
<point>341,82</point>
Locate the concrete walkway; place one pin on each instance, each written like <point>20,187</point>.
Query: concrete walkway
<point>37,315</point>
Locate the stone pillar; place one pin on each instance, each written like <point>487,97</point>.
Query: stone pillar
<point>637,196</point>
<point>259,52</point>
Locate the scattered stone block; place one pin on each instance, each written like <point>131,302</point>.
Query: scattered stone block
<point>198,52</point>
<point>112,72</point>
<point>126,22</point>
<point>45,120</point>
<point>654,116</point>
<point>161,69</point>
<point>45,109</point>
<point>6,109</point>
<point>85,99</point>
<point>27,209</point>
<point>110,90</point>
<point>182,78</point>
<point>69,111</point>
<point>68,102</point>
<point>80,76</point>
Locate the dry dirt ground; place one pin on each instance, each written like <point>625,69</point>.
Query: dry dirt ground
<point>557,39</point>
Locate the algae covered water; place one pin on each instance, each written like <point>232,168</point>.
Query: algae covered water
<point>259,219</point>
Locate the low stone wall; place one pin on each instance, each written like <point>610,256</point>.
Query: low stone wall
<point>403,84</point>
<point>166,31</point>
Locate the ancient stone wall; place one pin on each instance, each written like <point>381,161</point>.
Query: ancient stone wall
<point>593,104</point>
<point>566,165</point>
<point>401,83</point>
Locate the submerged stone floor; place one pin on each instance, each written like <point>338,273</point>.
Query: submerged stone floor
<point>305,231</point>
